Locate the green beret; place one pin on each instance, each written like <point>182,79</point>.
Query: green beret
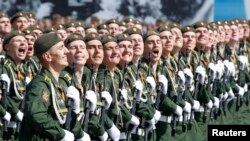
<point>2,14</point>
<point>200,24</point>
<point>244,21</point>
<point>30,15</point>
<point>110,21</point>
<point>136,21</point>
<point>80,24</point>
<point>128,19</point>
<point>70,24</point>
<point>232,22</point>
<point>35,27</point>
<point>187,28</point>
<point>11,35</point>
<point>122,23</point>
<point>133,30</point>
<point>108,38</point>
<point>219,23</point>
<point>174,25</point>
<point>92,36</point>
<point>237,21</point>
<point>123,37</point>
<point>58,27</point>
<point>71,38</point>
<point>150,33</point>
<point>49,30</point>
<point>163,28</point>
<point>17,15</point>
<point>87,26</point>
<point>29,32</point>
<point>45,42</point>
<point>102,26</point>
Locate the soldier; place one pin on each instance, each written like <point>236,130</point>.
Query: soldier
<point>80,28</point>
<point>5,26</point>
<point>15,46</point>
<point>89,28</point>
<point>126,53</point>
<point>122,26</point>
<point>99,123</point>
<point>37,30</point>
<point>45,101</point>
<point>178,39</point>
<point>102,29</point>
<point>19,21</point>
<point>60,30</point>
<point>113,26</point>
<point>70,27</point>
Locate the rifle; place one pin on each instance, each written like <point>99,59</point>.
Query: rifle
<point>87,104</point>
<point>196,91</point>
<point>159,88</point>
<point>4,100</point>
<point>176,100</point>
<point>103,111</point>
<point>120,100</point>
<point>22,105</point>
<point>136,93</point>
<point>149,102</point>
<point>185,94</point>
<point>69,103</point>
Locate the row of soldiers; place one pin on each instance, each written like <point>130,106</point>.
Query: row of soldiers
<point>121,83</point>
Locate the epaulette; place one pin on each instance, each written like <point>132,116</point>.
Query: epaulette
<point>67,77</point>
<point>7,63</point>
<point>47,79</point>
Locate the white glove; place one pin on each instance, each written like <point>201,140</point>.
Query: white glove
<point>230,93</point>
<point>188,76</point>
<point>187,107</point>
<point>7,117</point>
<point>5,78</point>
<point>27,80</point>
<point>19,116</point>
<point>139,88</point>
<point>216,102</point>
<point>151,82</point>
<point>242,62</point>
<point>196,105</point>
<point>219,71</point>
<point>68,136</point>
<point>157,116</point>
<point>104,137</point>
<point>91,97</point>
<point>114,133</point>
<point>44,10</point>
<point>241,90</point>
<point>124,94</point>
<point>163,80</point>
<point>209,104</point>
<point>225,96</point>
<point>135,122</point>
<point>74,94</point>
<point>85,137</point>
<point>245,88</point>
<point>212,71</point>
<point>2,57</point>
<point>178,111</point>
<point>107,98</point>
<point>181,77</point>
<point>201,74</point>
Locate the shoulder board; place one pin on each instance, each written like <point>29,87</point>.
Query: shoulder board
<point>67,77</point>
<point>47,79</point>
<point>7,63</point>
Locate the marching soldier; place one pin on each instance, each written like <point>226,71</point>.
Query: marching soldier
<point>19,21</point>
<point>45,102</point>
<point>15,46</point>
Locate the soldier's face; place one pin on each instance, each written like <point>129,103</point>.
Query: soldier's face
<point>80,30</point>
<point>189,39</point>
<point>17,48</point>
<point>30,40</point>
<point>5,26</point>
<point>222,34</point>
<point>241,31</point>
<point>201,36</point>
<point>246,30</point>
<point>38,33</point>
<point>111,54</point>
<point>20,23</point>
<point>126,50</point>
<point>31,21</point>
<point>167,40</point>
<point>210,38</point>
<point>154,46</point>
<point>58,56</point>
<point>138,45</point>
<point>113,29</point>
<point>78,53</point>
<point>235,33</point>
<point>95,50</point>
<point>228,33</point>
<point>91,30</point>
<point>103,32</point>
<point>178,41</point>
<point>122,29</point>
<point>62,34</point>
<point>71,30</point>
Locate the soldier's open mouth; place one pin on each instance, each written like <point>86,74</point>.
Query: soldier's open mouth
<point>21,50</point>
<point>30,49</point>
<point>155,52</point>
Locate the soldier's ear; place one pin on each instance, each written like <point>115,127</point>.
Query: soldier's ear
<point>47,56</point>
